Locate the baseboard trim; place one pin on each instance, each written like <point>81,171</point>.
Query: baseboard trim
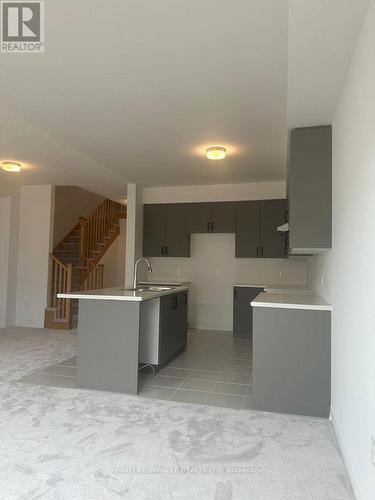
<point>353,480</point>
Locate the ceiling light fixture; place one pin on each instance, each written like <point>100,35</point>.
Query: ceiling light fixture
<point>216,153</point>
<point>11,166</point>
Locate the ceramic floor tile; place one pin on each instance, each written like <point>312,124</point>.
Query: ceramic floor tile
<point>156,392</point>
<point>198,385</point>
<point>234,378</point>
<point>67,371</point>
<point>212,366</point>
<point>204,375</point>
<point>184,363</point>
<point>188,396</point>
<point>245,370</point>
<point>162,381</point>
<point>224,401</point>
<point>231,389</point>
<point>170,371</point>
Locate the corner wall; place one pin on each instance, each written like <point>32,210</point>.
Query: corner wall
<point>345,275</point>
<point>9,208</point>
<point>34,247</point>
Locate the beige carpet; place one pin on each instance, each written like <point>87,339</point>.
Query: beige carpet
<point>76,444</point>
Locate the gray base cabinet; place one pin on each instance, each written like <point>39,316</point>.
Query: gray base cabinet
<point>173,326</point>
<point>242,310</point>
<point>292,361</point>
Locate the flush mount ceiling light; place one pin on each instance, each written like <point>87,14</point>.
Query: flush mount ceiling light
<point>11,166</point>
<point>216,153</point>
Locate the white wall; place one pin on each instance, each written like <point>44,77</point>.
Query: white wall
<point>71,203</point>
<point>213,269</point>
<point>114,260</point>
<point>34,247</point>
<point>5,222</point>
<point>218,192</point>
<point>345,275</point>
<point>9,189</point>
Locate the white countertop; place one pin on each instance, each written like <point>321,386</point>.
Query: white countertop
<point>120,294</point>
<point>276,287</point>
<point>309,301</point>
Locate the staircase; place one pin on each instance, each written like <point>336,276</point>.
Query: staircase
<point>74,262</point>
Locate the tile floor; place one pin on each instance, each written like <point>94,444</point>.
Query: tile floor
<point>214,370</point>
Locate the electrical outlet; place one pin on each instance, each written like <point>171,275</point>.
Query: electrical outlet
<point>373,450</point>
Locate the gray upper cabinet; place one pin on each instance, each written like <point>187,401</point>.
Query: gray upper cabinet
<point>223,217</point>
<point>256,231</point>
<point>272,242</point>
<point>153,230</point>
<point>198,217</point>
<point>164,231</point>
<point>247,229</point>
<point>177,240</point>
<point>167,227</point>
<point>218,217</point>
<point>310,190</point>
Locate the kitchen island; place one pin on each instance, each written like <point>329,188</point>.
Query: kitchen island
<point>119,329</point>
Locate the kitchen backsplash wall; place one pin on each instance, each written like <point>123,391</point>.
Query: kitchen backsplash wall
<point>212,270</point>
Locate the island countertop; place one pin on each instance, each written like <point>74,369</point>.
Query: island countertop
<point>275,287</point>
<point>121,294</point>
<point>289,300</point>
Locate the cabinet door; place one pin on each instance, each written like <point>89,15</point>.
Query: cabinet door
<point>198,217</point>
<point>223,217</point>
<point>177,239</point>
<point>182,299</point>
<point>247,229</point>
<point>168,336</point>
<point>310,188</point>
<point>153,230</point>
<point>272,215</point>
<point>242,310</point>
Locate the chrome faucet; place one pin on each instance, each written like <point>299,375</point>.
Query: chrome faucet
<point>135,280</point>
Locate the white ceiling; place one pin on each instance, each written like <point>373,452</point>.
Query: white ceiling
<point>134,91</point>
<point>322,37</point>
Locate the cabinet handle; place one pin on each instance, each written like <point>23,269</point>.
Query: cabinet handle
<point>162,250</point>
<point>212,226</point>
<point>185,299</point>
<point>208,226</point>
<point>257,251</point>
<point>261,249</point>
<point>166,250</point>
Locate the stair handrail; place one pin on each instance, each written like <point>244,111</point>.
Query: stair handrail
<point>91,276</point>
<point>96,227</point>
<point>61,282</point>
